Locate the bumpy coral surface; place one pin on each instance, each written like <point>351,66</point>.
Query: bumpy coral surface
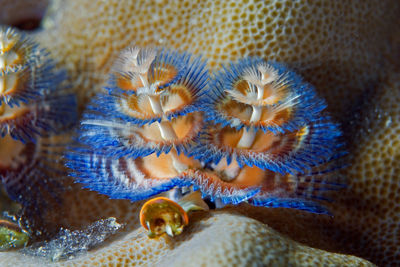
<point>260,244</point>
<point>338,46</point>
<point>374,176</point>
<point>341,47</point>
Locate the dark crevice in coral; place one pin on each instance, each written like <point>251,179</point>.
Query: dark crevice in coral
<point>28,24</point>
<point>25,15</point>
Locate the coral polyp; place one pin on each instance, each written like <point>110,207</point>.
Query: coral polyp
<point>254,132</point>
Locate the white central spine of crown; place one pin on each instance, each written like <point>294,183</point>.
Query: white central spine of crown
<point>167,131</point>
<point>248,136</point>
